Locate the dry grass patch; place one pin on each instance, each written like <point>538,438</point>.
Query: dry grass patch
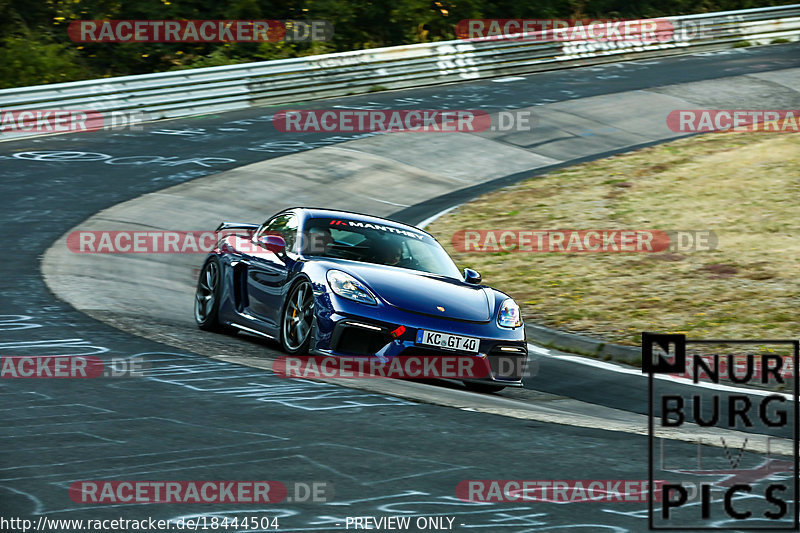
<point>744,187</point>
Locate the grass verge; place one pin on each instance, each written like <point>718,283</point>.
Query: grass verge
<point>743,186</point>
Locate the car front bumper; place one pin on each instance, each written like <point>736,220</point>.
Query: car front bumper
<point>346,328</point>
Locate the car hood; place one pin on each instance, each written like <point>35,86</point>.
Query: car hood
<point>420,292</point>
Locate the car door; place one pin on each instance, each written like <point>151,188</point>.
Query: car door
<point>267,272</point>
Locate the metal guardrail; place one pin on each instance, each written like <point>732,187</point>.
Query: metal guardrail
<point>215,89</point>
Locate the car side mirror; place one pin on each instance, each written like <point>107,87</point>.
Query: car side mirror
<point>472,277</point>
<point>273,243</point>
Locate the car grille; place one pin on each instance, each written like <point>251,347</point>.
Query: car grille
<point>354,340</point>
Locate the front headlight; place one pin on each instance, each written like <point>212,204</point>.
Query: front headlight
<point>349,287</point>
<point>509,315</point>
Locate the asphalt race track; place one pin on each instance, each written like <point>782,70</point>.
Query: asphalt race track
<point>192,417</point>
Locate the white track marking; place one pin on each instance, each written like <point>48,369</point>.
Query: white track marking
<point>538,349</point>
<point>430,220</point>
<point>665,377</point>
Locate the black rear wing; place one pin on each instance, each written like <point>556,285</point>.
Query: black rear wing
<point>228,226</point>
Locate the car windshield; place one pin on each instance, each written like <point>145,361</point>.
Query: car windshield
<point>381,244</point>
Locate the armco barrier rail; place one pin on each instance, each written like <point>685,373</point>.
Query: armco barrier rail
<point>215,89</point>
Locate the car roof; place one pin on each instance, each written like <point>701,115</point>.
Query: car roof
<point>317,212</point>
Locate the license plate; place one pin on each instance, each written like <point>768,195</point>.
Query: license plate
<point>448,341</point>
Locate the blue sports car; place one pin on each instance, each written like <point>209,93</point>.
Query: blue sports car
<point>336,283</point>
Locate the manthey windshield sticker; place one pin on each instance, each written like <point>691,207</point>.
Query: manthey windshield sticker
<point>367,225</point>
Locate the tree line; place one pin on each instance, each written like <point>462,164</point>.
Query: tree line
<point>35,47</point>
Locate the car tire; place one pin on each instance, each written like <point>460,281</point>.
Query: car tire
<point>483,387</point>
<point>207,296</point>
<point>297,318</point>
